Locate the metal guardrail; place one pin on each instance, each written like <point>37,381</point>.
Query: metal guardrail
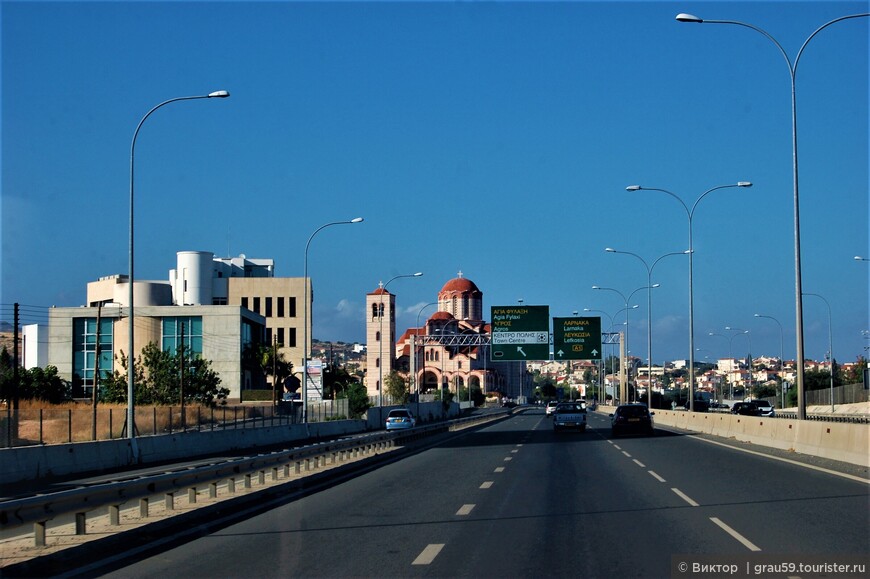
<point>40,509</point>
<point>848,418</point>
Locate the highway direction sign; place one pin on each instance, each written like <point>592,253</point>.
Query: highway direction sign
<point>576,338</point>
<point>520,333</point>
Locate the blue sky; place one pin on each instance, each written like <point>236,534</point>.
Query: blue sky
<point>495,138</point>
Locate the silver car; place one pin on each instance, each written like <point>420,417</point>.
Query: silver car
<point>765,407</point>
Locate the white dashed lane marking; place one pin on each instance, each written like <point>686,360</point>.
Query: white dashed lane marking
<point>464,510</point>
<point>499,469</point>
<point>428,554</point>
<point>656,476</point>
<point>746,542</point>
<point>685,497</point>
<point>486,485</point>
<point>639,463</point>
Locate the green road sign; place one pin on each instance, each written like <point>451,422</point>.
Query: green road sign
<point>520,333</point>
<point>576,338</point>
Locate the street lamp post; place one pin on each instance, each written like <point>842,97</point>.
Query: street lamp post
<point>306,298</point>
<point>782,390</point>
<point>792,70</point>
<point>425,336</point>
<point>131,427</point>
<point>381,335</point>
<point>690,214</point>
<point>830,343</point>
<point>749,364</point>
<point>650,286</point>
<point>626,300</point>
<point>601,372</point>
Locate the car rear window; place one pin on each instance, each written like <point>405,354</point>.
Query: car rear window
<point>398,414</point>
<point>570,408</point>
<point>633,411</point>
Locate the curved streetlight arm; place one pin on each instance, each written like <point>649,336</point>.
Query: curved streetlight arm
<point>381,333</point>
<point>792,68</point>
<point>131,430</point>
<point>305,299</point>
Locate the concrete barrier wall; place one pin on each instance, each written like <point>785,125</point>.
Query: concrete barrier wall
<point>60,460</point>
<point>843,441</point>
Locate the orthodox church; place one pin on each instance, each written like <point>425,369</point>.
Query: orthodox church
<point>450,350</point>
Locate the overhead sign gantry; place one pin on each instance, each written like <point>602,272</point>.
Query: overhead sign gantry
<point>520,333</point>
<point>577,338</point>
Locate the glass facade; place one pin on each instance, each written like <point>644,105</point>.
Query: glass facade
<point>192,334</point>
<point>85,348</point>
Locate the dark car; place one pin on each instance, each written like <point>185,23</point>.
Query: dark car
<point>632,419</point>
<point>700,405</point>
<point>746,409</point>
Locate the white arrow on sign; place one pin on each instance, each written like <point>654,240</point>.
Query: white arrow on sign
<point>594,352</point>
<point>561,353</point>
<point>520,350</point>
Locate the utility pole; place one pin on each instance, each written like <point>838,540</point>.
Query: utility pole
<point>15,338</point>
<point>181,378</point>
<point>96,380</point>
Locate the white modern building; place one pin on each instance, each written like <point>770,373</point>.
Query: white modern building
<point>222,306</point>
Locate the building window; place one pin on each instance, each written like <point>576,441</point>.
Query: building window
<point>191,326</point>
<point>291,338</point>
<point>245,303</point>
<point>377,336</point>
<point>268,307</point>
<point>268,335</point>
<point>256,309</point>
<point>292,307</point>
<point>219,301</point>
<point>85,348</point>
<point>280,307</point>
<point>280,336</point>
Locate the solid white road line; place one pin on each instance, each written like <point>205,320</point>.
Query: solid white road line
<point>639,463</point>
<point>683,496</point>
<point>787,460</point>
<point>464,510</point>
<point>746,542</point>
<point>656,476</point>
<point>428,554</point>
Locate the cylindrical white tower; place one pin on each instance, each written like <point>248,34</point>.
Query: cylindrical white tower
<point>192,283</point>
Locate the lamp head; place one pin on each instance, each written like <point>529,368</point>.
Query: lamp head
<point>744,184</point>
<point>655,285</point>
<point>683,17</point>
<point>609,250</point>
<point>595,287</point>
<point>357,220</point>
<point>418,274</point>
<point>218,94</point>
<point>633,188</point>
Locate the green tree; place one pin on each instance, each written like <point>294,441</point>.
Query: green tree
<point>335,381</point>
<point>357,400</point>
<point>396,388</point>
<point>855,373</point>
<point>272,362</point>
<point>157,379</point>
<point>7,372</point>
<point>44,384</point>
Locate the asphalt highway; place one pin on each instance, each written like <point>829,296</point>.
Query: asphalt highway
<point>515,499</point>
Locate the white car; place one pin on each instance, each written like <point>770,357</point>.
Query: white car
<point>765,407</point>
<point>400,418</point>
<point>551,407</point>
<point>570,415</point>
